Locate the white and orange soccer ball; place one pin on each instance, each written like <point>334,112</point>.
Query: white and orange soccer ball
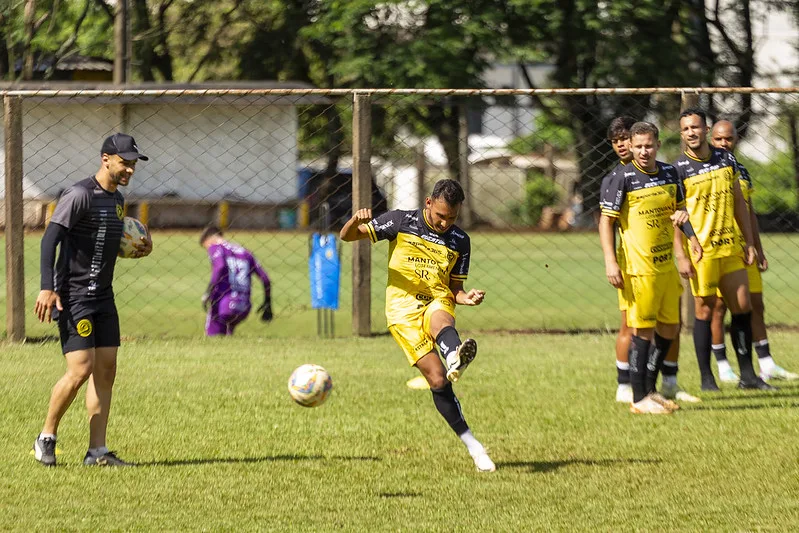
<point>310,385</point>
<point>132,232</point>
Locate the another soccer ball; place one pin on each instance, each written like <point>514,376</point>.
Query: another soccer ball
<point>310,385</point>
<point>132,231</point>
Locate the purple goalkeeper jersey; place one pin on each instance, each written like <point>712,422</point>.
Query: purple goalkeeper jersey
<point>231,268</point>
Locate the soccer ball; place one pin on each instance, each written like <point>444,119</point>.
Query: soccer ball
<point>310,385</point>
<point>132,231</point>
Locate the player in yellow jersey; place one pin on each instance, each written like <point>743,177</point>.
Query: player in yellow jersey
<point>427,266</point>
<point>646,199</point>
<point>718,210</point>
<point>619,137</point>
<point>725,136</point>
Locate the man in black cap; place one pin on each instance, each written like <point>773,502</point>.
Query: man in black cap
<point>87,223</point>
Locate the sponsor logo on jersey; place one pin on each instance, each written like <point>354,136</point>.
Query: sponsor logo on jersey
<point>84,327</point>
<point>120,212</point>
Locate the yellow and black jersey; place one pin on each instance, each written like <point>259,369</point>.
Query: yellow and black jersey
<point>620,258</point>
<point>747,188</point>
<point>421,262</point>
<point>709,198</point>
<point>643,202</point>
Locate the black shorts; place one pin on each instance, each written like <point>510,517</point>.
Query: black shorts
<point>84,325</point>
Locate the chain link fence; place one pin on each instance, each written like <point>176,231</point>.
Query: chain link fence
<point>271,167</point>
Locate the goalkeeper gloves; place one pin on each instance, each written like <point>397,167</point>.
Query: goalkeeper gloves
<point>266,310</point>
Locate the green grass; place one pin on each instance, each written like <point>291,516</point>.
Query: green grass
<point>222,447</point>
<point>533,282</point>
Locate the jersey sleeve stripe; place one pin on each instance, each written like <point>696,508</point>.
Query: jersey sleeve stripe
<point>610,213</point>
<point>459,277</point>
<point>371,231</point>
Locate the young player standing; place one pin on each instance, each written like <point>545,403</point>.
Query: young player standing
<point>227,299</point>
<point>619,137</point>
<point>646,199</point>
<point>715,203</point>
<point>427,267</point>
<point>87,223</point>
<point>725,136</point>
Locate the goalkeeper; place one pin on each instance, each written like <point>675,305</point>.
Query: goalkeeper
<point>227,299</point>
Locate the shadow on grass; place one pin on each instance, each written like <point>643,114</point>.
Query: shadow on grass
<point>264,459</point>
<point>743,407</point>
<point>784,392</point>
<point>541,467</point>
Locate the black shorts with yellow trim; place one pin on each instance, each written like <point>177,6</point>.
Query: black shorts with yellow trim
<point>85,325</point>
<point>413,333</point>
<point>654,298</point>
<point>709,272</point>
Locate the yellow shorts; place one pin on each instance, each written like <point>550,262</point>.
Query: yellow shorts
<point>755,281</point>
<point>710,271</point>
<point>654,298</point>
<point>413,333</point>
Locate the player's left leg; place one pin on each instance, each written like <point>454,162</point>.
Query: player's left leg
<point>450,409</point>
<point>734,286</point>
<point>100,386</point>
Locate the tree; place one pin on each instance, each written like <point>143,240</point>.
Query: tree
<point>611,44</point>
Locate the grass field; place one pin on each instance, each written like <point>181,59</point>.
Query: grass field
<point>533,282</point>
<point>221,447</point>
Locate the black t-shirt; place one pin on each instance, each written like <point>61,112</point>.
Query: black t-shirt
<point>93,219</point>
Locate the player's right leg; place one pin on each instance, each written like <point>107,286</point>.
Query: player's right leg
<point>726,373</point>
<point>79,369</point>
<point>641,316</point>
<point>439,324</point>
<point>77,344</point>
<point>704,287</point>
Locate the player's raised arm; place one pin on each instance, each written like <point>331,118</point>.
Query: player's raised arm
<point>355,228</point>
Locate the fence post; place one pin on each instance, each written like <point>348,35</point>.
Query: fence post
<point>466,214</point>
<point>15,258</point>
<point>687,309</point>
<point>361,198</point>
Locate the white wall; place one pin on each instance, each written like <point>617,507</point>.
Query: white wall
<point>198,151</point>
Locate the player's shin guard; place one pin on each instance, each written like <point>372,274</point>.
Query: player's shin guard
<point>657,354</point>
<point>702,344</point>
<point>639,353</point>
<point>447,341</point>
<point>447,404</point>
<point>741,333</point>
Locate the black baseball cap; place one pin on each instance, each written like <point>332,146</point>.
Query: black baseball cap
<point>124,146</point>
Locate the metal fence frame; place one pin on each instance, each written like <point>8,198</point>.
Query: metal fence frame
<point>361,100</point>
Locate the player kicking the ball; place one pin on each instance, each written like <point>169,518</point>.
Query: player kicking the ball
<point>646,199</point>
<point>428,264</point>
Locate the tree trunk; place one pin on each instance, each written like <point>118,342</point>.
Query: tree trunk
<point>27,51</point>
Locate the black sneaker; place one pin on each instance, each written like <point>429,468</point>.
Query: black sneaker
<point>709,384</point>
<point>755,384</point>
<point>107,459</point>
<point>44,451</point>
